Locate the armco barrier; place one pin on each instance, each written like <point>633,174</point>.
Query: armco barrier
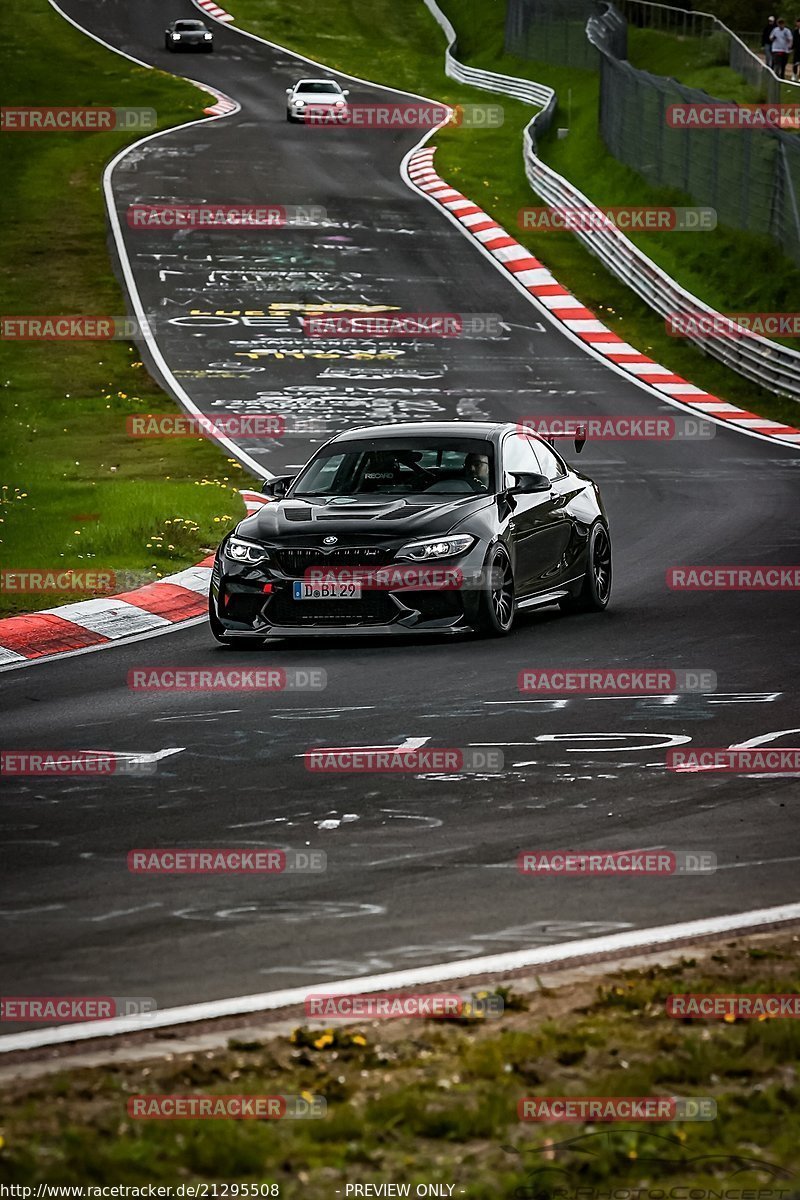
<point>767,363</point>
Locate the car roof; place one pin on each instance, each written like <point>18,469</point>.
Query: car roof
<point>486,430</point>
<point>332,82</point>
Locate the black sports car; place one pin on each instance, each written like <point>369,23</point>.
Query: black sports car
<point>425,527</point>
<point>188,35</point>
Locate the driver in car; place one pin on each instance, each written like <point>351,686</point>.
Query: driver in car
<point>476,470</point>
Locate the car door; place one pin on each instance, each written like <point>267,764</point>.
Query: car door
<point>536,523</point>
<point>561,530</point>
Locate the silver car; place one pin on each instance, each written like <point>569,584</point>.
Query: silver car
<point>322,95</point>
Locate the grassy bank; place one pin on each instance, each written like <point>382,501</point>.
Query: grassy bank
<point>79,492</point>
<point>410,1101</point>
<point>402,45</point>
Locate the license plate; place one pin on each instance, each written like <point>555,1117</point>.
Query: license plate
<point>325,591</point>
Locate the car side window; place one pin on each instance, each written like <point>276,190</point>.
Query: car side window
<point>549,463</point>
<point>518,459</point>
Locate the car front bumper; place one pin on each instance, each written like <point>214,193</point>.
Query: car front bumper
<point>199,44</point>
<point>243,610</point>
<point>323,114</point>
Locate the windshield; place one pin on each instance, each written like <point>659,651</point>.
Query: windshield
<point>399,466</point>
<point>316,86</point>
<point>187,25</point>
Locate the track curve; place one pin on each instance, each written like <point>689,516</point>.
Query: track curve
<point>420,870</point>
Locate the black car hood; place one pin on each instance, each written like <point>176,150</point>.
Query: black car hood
<point>359,516</point>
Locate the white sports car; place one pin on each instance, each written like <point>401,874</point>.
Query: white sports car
<point>323,96</point>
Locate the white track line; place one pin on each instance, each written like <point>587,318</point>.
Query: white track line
<point>496,965</point>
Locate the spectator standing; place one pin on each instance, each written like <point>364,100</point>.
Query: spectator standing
<point>766,46</point>
<point>796,45</point>
<point>781,42</point>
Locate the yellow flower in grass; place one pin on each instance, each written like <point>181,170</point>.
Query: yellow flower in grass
<point>359,1040</point>
<point>325,1040</point>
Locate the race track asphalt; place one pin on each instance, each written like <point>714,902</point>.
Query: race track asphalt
<point>421,869</point>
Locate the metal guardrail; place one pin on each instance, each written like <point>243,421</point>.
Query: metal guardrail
<point>767,363</point>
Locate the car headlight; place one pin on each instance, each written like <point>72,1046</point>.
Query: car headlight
<point>208,36</point>
<point>298,103</point>
<point>422,551</point>
<point>176,37</point>
<point>242,550</point>
<point>340,103</point>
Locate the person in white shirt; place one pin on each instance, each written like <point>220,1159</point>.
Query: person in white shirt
<point>781,44</point>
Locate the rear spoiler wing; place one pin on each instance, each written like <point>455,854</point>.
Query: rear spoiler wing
<point>579,435</point>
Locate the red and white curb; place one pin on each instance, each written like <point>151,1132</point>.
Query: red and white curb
<point>536,279</point>
<point>222,104</point>
<point>214,10</point>
<point>106,619</point>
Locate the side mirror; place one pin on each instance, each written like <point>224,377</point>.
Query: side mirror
<point>277,487</point>
<point>527,483</point>
<point>346,92</point>
<point>289,91</point>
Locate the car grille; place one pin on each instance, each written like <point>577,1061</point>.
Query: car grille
<point>375,608</point>
<point>297,561</point>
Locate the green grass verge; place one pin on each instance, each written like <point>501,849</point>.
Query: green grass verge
<point>429,1101</point>
<point>402,45</point>
<point>79,492</point>
<point>697,63</point>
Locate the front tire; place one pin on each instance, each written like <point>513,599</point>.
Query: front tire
<point>595,591</point>
<point>497,602</point>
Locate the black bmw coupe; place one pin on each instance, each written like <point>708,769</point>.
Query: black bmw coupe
<point>415,528</point>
